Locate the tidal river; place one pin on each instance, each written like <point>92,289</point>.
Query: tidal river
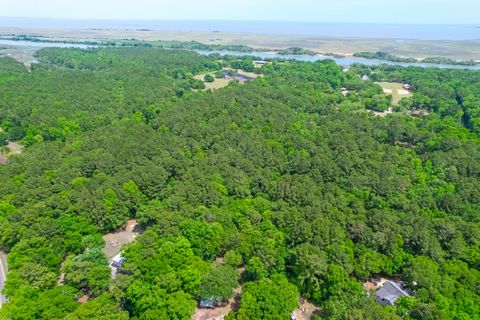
<point>263,55</point>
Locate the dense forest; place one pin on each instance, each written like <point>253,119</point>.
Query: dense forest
<point>297,189</point>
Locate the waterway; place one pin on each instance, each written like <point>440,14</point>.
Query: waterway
<point>40,44</point>
<point>347,61</point>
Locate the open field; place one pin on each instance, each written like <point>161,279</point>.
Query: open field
<point>221,83</point>
<point>460,50</point>
<point>248,74</point>
<point>217,84</point>
<point>396,90</point>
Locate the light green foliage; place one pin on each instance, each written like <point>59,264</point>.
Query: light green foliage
<point>170,263</point>
<point>255,269</point>
<point>33,304</point>
<point>88,271</point>
<point>274,298</point>
<point>150,302</point>
<point>101,308</point>
<point>233,258</point>
<point>219,283</point>
<point>205,238</point>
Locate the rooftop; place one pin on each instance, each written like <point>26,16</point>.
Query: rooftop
<point>390,292</point>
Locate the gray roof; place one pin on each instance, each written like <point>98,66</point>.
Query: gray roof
<point>206,304</point>
<point>390,292</point>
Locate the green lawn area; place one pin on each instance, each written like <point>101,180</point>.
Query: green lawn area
<point>396,90</point>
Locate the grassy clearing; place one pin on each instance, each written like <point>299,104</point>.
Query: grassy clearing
<point>221,83</point>
<point>217,84</point>
<point>396,90</point>
<point>244,73</point>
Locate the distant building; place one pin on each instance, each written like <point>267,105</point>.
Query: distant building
<point>365,78</point>
<point>118,261</point>
<point>390,292</point>
<point>207,304</point>
<point>407,86</point>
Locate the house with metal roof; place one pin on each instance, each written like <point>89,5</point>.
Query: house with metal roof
<point>390,292</point>
<point>207,304</point>
<point>118,261</point>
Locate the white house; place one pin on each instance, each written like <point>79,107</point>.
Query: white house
<point>118,261</point>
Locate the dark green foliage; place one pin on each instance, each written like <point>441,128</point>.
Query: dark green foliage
<point>220,74</point>
<point>434,60</point>
<point>282,176</point>
<point>294,51</point>
<point>209,78</point>
<point>383,56</point>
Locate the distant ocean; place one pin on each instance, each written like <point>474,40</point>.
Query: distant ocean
<point>360,30</point>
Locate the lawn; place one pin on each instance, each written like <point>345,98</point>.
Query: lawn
<point>217,84</point>
<point>396,90</point>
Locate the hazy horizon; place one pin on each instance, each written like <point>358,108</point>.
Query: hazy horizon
<point>236,20</point>
<point>343,11</point>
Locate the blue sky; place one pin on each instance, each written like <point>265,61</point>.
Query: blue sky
<point>375,11</point>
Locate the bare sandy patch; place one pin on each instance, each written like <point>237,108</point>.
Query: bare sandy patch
<point>382,114</point>
<point>306,311</point>
<point>11,149</point>
<point>14,148</point>
<point>115,240</point>
<point>219,313</point>
<point>389,91</point>
<point>403,92</point>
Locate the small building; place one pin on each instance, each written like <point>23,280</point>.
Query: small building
<point>207,304</point>
<point>407,87</point>
<point>365,78</point>
<point>390,292</point>
<point>118,261</point>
